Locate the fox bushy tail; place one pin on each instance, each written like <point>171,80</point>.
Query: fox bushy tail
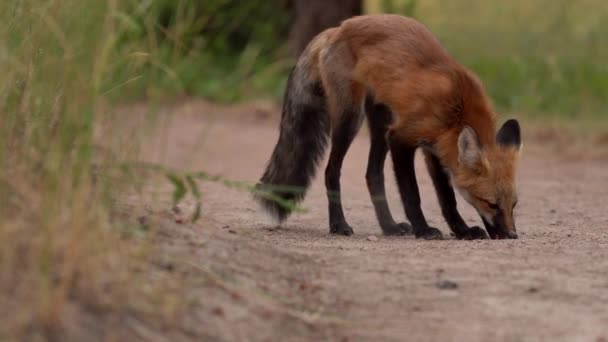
<point>304,132</point>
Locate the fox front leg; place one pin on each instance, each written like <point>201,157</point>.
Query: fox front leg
<point>403,163</point>
<point>447,201</point>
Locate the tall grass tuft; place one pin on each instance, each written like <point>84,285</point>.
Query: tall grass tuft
<point>65,66</point>
<point>59,243</point>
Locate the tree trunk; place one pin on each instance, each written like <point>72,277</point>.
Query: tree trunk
<point>313,16</point>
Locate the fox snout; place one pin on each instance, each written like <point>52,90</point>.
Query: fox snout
<point>498,229</point>
<point>512,235</point>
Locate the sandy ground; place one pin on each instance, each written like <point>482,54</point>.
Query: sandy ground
<point>251,281</point>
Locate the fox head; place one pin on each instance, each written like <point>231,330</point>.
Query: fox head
<point>485,177</point>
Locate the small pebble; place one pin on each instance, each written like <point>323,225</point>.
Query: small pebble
<point>143,220</point>
<point>372,238</point>
<point>446,285</point>
<point>218,311</point>
<point>198,242</point>
<point>232,231</point>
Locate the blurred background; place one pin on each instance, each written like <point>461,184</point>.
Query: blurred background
<point>539,57</point>
<point>68,65</point>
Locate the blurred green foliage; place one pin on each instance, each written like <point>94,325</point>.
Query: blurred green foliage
<point>226,50</point>
<point>539,58</point>
<point>536,57</point>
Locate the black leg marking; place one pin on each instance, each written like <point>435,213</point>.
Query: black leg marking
<point>403,162</point>
<point>447,201</point>
<point>379,117</point>
<point>342,137</point>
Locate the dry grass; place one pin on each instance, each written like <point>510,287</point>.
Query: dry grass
<point>60,243</point>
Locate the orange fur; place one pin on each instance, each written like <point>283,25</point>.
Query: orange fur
<point>404,65</point>
<point>432,97</point>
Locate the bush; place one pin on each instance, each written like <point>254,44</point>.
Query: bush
<point>222,49</point>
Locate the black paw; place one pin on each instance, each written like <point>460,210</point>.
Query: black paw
<point>397,229</point>
<point>429,233</point>
<point>341,228</point>
<point>473,233</point>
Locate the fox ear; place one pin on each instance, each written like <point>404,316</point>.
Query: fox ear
<point>509,134</point>
<point>469,149</point>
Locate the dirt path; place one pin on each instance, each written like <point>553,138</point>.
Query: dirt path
<point>300,283</point>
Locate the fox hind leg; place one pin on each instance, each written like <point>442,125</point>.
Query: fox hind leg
<point>342,136</point>
<point>345,106</point>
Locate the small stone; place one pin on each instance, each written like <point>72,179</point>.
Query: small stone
<point>168,265</point>
<point>218,311</point>
<point>198,242</point>
<point>372,238</point>
<point>144,223</point>
<point>232,231</point>
<point>143,220</point>
<point>446,285</point>
<point>266,314</point>
<point>533,289</point>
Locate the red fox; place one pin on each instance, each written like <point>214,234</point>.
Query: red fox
<point>414,95</point>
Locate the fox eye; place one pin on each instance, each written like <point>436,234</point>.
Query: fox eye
<point>493,206</point>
